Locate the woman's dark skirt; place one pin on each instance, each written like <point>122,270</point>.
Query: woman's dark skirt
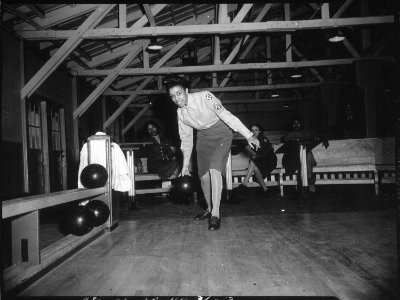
<point>213,146</point>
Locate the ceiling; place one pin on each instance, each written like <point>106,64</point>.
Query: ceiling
<point>227,48</point>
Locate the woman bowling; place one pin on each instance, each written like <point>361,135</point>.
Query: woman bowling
<point>204,112</point>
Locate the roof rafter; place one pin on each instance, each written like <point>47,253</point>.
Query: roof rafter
<point>224,67</point>
<point>50,66</point>
<point>209,29</point>
<point>128,101</point>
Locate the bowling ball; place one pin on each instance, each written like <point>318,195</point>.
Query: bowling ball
<point>94,176</point>
<point>79,220</point>
<point>100,210</point>
<point>182,190</point>
<point>185,184</point>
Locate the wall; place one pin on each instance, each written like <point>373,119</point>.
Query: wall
<point>57,87</point>
<point>11,169</point>
<point>11,85</point>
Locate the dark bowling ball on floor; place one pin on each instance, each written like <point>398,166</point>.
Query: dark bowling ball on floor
<point>94,176</point>
<point>79,220</point>
<point>100,210</point>
<point>183,189</point>
<point>184,184</point>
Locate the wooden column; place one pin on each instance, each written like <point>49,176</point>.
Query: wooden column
<point>45,147</point>
<point>369,77</point>
<point>75,121</point>
<point>64,149</point>
<point>23,121</point>
<point>122,15</point>
<point>269,56</point>
<point>288,37</point>
<point>365,32</point>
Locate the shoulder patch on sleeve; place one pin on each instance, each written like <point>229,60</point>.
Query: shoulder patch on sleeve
<point>218,107</point>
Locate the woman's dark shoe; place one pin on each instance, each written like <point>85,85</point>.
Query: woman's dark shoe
<point>204,215</point>
<point>214,223</point>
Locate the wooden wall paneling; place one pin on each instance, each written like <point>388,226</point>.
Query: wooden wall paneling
<point>25,239</point>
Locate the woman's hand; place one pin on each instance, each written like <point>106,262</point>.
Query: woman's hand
<point>185,171</point>
<point>253,142</point>
<point>140,169</point>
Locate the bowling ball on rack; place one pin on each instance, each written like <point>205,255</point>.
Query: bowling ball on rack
<point>79,220</point>
<point>94,176</point>
<point>100,210</point>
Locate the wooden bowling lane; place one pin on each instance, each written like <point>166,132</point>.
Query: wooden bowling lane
<point>350,255</point>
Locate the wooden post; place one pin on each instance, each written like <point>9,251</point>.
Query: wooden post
<point>288,37</point>
<point>45,147</point>
<point>396,39</point>
<point>63,148</point>
<point>25,239</point>
<point>269,56</point>
<point>75,121</point>
<point>122,15</point>
<point>23,121</point>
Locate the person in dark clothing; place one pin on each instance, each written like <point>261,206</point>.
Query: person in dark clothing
<point>291,156</point>
<point>263,160</point>
<point>161,157</point>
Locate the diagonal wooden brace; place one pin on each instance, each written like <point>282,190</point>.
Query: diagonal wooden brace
<point>66,49</point>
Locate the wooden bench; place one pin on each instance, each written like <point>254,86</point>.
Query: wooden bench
<point>350,161</point>
<point>166,185</point>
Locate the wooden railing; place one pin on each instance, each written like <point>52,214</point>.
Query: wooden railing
<point>23,213</point>
<point>351,161</point>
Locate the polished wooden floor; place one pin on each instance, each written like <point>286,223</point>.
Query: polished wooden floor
<point>339,242</point>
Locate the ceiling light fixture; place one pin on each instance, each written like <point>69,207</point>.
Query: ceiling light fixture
<point>296,75</point>
<point>274,95</point>
<point>337,37</point>
<point>154,45</point>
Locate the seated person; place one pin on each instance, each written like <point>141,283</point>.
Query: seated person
<point>262,161</point>
<point>161,154</point>
<point>291,156</point>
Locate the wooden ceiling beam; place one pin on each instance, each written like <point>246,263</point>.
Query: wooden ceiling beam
<point>313,70</point>
<point>207,29</point>
<point>224,68</point>
<point>129,100</point>
<point>105,83</point>
<point>123,50</point>
<point>342,9</point>
<point>135,119</point>
<point>122,15</point>
<point>51,65</point>
<point>149,14</point>
<point>59,16</point>
<point>36,10</point>
<point>238,19</point>
<point>233,89</point>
